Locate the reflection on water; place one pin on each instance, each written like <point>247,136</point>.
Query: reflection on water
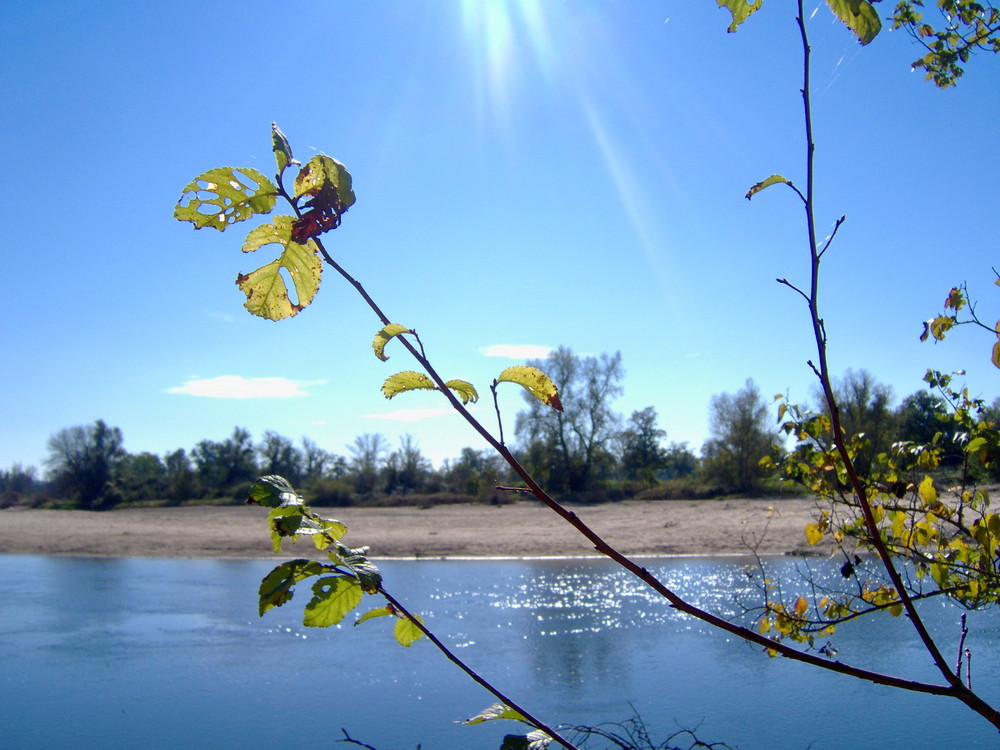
<point>104,653</point>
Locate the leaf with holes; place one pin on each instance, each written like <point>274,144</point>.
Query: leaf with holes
<point>265,288</point>
<point>225,195</point>
<point>320,174</point>
<point>408,380</point>
<point>740,10</point>
<point>535,382</point>
<point>333,598</point>
<point>384,336</point>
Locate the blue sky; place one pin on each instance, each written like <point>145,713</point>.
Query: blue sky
<point>528,173</point>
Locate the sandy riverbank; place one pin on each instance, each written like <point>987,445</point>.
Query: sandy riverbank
<point>522,529</point>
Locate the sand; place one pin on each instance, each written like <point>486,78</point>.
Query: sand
<point>520,529</point>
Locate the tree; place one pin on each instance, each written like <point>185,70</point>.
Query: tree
<point>367,456</point>
<point>278,455</point>
<point>968,26</point>
<point>643,456</point>
<point>84,461</point>
<point>406,470</point>
<point>865,410</point>
<point>224,465</point>
<point>142,476</point>
<point>740,436</point>
<point>680,461</point>
<point>182,481</point>
<point>571,448</point>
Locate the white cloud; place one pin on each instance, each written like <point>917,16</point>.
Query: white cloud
<point>412,415</point>
<point>237,386</point>
<point>516,351</point>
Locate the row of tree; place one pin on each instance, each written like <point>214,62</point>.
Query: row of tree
<point>585,450</point>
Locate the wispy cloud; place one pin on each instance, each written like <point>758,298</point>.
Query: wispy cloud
<point>412,415</point>
<point>516,351</point>
<point>237,386</point>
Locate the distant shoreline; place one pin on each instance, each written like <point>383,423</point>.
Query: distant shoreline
<point>522,529</point>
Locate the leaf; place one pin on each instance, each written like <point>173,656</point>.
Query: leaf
<point>406,632</point>
<point>367,573</point>
<point>740,10</point>
<point>408,380</point>
<point>267,294</point>
<point>955,300</point>
<point>277,586</point>
<point>492,713</point>
<point>371,614</point>
<point>536,382</point>
<point>860,17</point>
<point>813,533</point>
<point>273,492</point>
<point>536,740</point>
<point>282,149</point>
<point>384,336</point>
<point>772,180</point>
<point>801,605</point>
<point>225,195</point>
<point>321,173</point>
<point>465,391</point>
<point>333,598</point>
<point>995,355</point>
<point>927,492</point>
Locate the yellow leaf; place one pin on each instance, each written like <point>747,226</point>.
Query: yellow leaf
<point>801,605</point>
<point>813,533</point>
<point>408,380</point>
<point>466,391</point>
<point>536,382</point>
<point>384,336</point>
<point>927,492</point>
<point>995,357</point>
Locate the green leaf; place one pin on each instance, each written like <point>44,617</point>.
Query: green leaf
<point>368,574</point>
<point>333,598</point>
<point>371,614</point>
<point>406,632</point>
<point>267,294</point>
<point>384,336</point>
<point>860,17</point>
<point>465,391</point>
<point>536,382</point>
<point>225,195</point>
<point>492,713</point>
<point>740,10</point>
<point>408,380</point>
<point>772,180</point>
<point>273,491</point>
<point>320,174</point>
<point>278,585</point>
<point>282,149</point>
